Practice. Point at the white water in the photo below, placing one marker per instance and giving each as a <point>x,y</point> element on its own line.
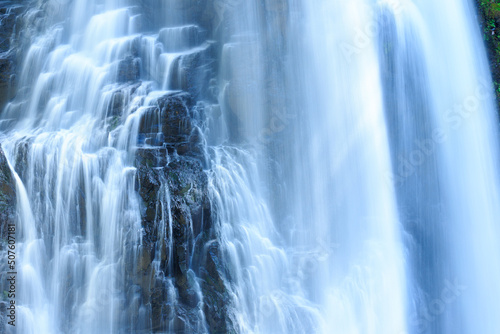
<point>388,222</point>
<point>366,202</point>
<point>80,225</point>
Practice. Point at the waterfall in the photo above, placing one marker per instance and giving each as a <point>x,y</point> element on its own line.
<point>229,166</point>
<point>79,224</point>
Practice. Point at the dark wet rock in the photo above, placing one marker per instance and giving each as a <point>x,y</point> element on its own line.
<point>170,113</point>
<point>190,208</point>
<point>151,157</point>
<point>129,69</point>
<point>193,70</point>
<point>7,72</point>
<point>7,196</point>
<point>174,117</point>
<point>150,120</point>
<point>189,194</point>
<point>21,159</point>
<point>171,122</point>
<point>10,20</point>
<point>194,264</point>
<point>20,23</point>
<point>8,202</point>
<point>217,306</point>
<point>10,12</point>
<point>116,104</point>
<point>118,99</point>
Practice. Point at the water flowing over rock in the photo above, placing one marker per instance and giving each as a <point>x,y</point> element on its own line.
<point>248,166</point>
<point>141,151</point>
<point>7,196</point>
<point>11,24</point>
<point>8,199</point>
<point>188,245</point>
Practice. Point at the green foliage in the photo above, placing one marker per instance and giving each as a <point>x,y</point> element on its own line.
<point>497,90</point>
<point>490,10</point>
<point>489,17</point>
<point>490,7</point>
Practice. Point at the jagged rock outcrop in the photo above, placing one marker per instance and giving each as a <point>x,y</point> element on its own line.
<point>179,247</point>
<point>189,252</point>
<point>217,303</point>
<point>171,122</point>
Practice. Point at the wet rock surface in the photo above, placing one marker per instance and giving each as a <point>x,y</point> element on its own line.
<point>169,122</point>
<point>191,261</point>
<point>129,69</point>
<point>195,69</point>
<point>7,216</point>
<point>7,196</point>
<point>11,17</point>
<point>180,271</point>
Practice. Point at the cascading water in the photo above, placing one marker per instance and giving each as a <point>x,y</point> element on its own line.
<point>80,217</point>
<point>380,170</point>
<point>71,135</point>
<point>345,157</point>
<point>361,285</point>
